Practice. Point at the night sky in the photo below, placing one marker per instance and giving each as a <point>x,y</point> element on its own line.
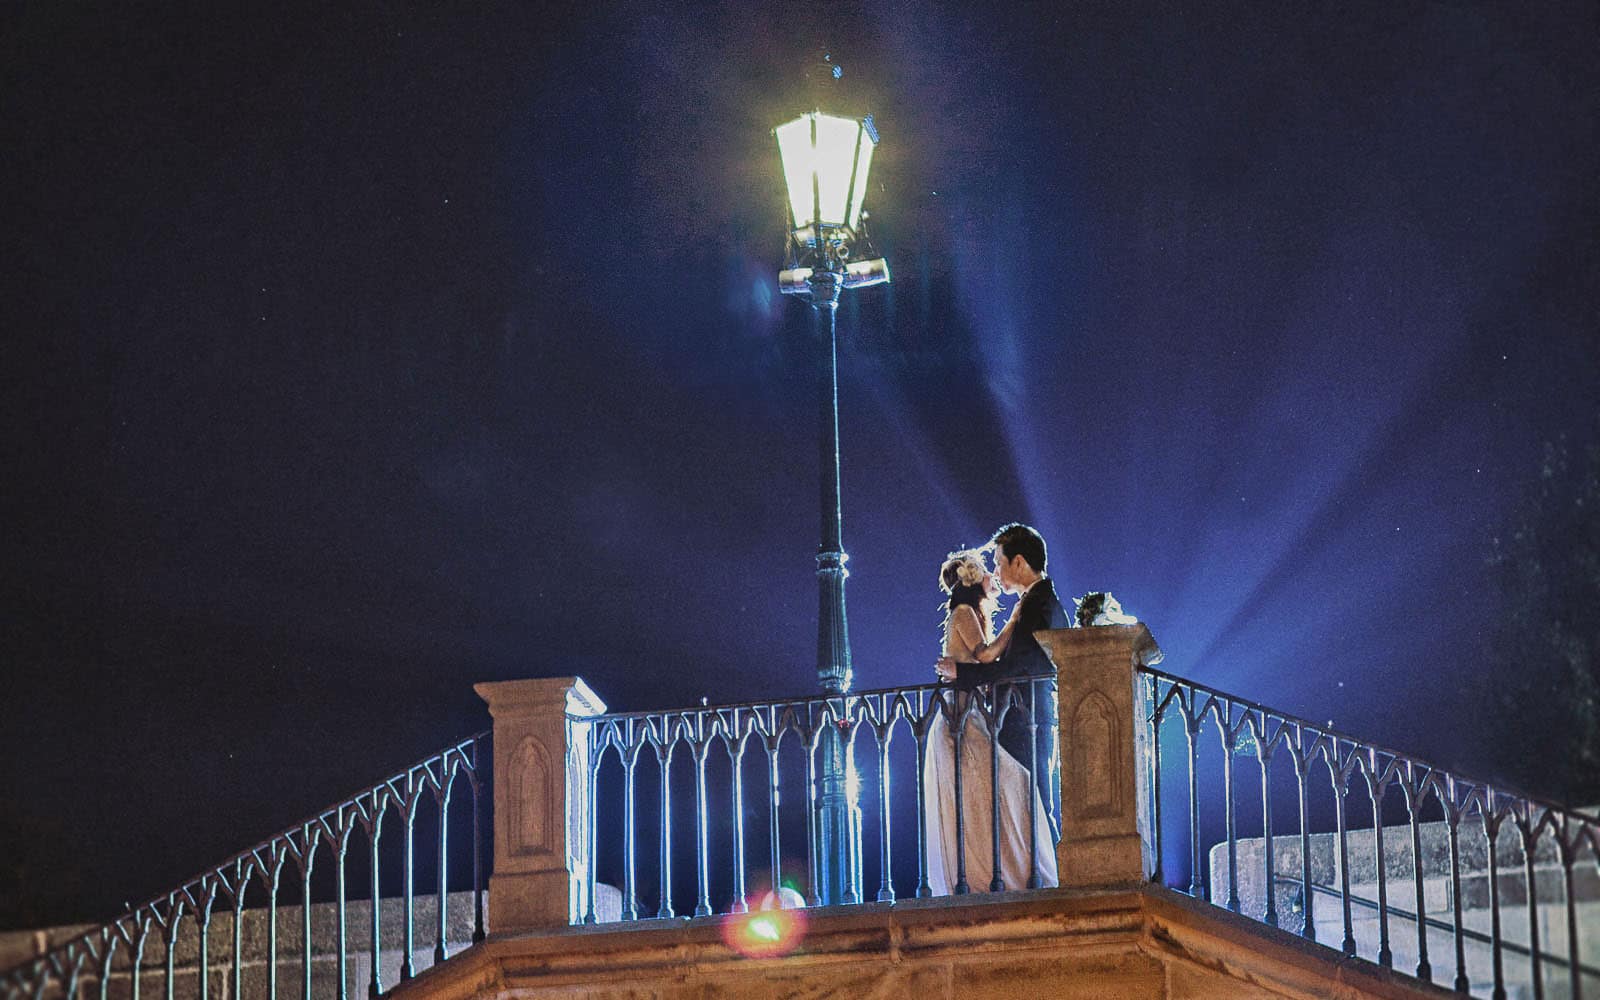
<point>352,356</point>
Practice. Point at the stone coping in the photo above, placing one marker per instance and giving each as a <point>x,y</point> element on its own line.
<point>1064,940</point>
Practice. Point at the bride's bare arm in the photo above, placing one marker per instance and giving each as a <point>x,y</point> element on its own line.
<point>967,632</point>
<point>988,652</point>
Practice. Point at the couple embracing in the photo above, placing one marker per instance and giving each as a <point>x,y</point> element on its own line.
<point>999,785</point>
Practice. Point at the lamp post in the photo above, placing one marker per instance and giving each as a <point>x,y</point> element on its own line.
<point>826,160</point>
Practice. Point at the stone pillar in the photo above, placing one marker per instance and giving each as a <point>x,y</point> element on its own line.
<point>541,801</point>
<point>1102,745</point>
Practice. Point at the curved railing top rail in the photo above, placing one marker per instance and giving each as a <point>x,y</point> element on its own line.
<point>298,842</point>
<point>808,717</point>
<point>1328,733</point>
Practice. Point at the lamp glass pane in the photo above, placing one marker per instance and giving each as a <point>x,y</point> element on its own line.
<point>835,159</point>
<point>863,165</point>
<point>794,145</point>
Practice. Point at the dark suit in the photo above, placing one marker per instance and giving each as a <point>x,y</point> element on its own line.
<point>1023,657</point>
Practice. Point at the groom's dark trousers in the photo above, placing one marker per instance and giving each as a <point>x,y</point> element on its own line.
<point>1023,658</point>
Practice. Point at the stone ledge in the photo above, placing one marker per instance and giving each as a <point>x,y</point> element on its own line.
<point>1138,941</point>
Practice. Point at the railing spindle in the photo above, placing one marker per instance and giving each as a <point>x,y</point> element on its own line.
<point>70,988</point>
<point>883,729</point>
<point>961,888</point>
<point>447,776</point>
<point>1376,789</point>
<point>441,950</point>
<point>374,829</point>
<point>1453,819</point>
<point>1341,789</point>
<point>474,784</point>
<point>478,930</point>
<point>1567,850</point>
<point>1492,819</point>
<point>137,959</point>
<point>1264,758</point>
<point>698,747</point>
<point>1302,762</point>
<point>408,815</point>
<point>630,895</point>
<point>926,710</point>
<point>1228,734</point>
<point>109,944</point>
<point>276,857</point>
<point>813,841</point>
<point>998,706</point>
<point>305,860</point>
<point>1530,844</point>
<point>1157,828</point>
<point>772,740</point>
<point>242,875</point>
<point>1415,794</point>
<point>203,922</point>
<point>1035,877</point>
<point>663,750</point>
<point>733,741</point>
<point>341,913</point>
<point>591,875</point>
<point>1191,729</point>
<point>169,940</point>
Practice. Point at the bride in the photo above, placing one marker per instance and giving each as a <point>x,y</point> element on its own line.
<point>969,637</point>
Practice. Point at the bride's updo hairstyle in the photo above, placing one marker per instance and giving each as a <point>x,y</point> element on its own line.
<point>961,577</point>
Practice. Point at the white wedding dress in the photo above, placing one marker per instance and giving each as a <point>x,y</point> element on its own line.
<point>1017,793</point>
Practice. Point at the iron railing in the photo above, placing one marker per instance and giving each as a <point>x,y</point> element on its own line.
<point>618,741</point>
<point>1388,805</point>
<point>254,877</point>
<point>1435,924</point>
<point>1417,825</point>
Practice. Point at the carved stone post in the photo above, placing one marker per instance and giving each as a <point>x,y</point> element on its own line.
<point>541,807</point>
<point>1102,746</point>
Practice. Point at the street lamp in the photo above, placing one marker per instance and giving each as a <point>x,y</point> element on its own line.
<point>826,162</point>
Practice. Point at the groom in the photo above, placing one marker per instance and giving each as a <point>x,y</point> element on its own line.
<point>1019,563</point>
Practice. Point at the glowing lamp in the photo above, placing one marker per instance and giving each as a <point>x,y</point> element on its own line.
<point>826,161</point>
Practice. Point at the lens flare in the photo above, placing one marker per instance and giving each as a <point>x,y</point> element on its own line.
<point>774,928</point>
<point>765,928</point>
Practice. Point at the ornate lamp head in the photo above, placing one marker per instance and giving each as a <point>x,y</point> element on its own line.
<point>826,162</point>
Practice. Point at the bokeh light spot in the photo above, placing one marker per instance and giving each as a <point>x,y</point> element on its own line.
<point>775,928</point>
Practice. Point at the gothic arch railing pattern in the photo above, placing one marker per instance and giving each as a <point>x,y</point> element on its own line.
<point>868,721</point>
<point>1456,836</point>
<point>118,947</point>
<point>1384,856</point>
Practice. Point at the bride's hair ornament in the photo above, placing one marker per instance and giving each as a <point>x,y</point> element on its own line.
<point>963,568</point>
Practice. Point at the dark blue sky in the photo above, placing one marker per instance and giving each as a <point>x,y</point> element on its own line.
<point>356,356</point>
